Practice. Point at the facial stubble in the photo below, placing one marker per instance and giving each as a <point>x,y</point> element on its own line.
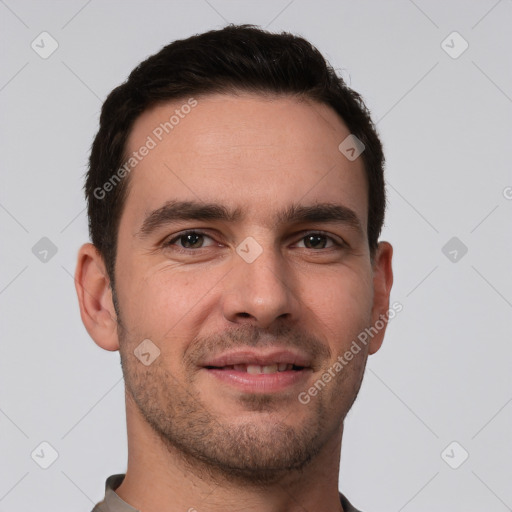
<point>253,452</point>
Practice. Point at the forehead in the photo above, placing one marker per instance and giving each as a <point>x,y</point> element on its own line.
<point>258,153</point>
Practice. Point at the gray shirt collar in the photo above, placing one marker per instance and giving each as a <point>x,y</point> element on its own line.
<point>113,503</point>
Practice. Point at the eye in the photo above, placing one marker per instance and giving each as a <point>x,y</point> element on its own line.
<point>193,240</point>
<point>189,240</point>
<point>318,240</point>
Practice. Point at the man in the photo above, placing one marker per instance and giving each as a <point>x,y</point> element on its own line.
<point>236,196</point>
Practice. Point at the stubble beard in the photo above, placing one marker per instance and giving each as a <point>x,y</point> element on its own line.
<point>256,453</point>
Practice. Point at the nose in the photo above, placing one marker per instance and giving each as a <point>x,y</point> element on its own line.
<point>261,292</point>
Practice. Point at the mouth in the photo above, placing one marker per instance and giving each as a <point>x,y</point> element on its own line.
<point>256,369</point>
<point>251,372</point>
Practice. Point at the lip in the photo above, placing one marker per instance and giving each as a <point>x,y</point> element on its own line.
<point>259,383</point>
<point>274,356</point>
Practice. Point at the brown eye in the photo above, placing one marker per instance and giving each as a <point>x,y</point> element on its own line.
<point>189,240</point>
<point>315,241</point>
<point>319,241</point>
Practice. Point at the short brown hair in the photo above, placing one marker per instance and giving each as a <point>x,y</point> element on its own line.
<point>241,58</point>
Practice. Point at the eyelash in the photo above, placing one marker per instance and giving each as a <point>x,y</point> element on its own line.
<point>170,242</point>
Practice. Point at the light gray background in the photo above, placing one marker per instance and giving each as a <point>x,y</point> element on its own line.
<point>444,371</point>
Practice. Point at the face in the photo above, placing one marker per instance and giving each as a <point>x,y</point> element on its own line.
<point>243,257</point>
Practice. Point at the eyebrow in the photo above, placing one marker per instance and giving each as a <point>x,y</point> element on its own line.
<point>174,210</point>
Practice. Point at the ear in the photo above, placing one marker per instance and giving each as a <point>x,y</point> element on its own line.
<point>95,298</point>
<point>382,283</point>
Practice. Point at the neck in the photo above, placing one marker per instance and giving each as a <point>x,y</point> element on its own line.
<point>160,477</point>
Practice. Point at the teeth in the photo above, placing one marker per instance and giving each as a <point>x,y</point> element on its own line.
<point>255,369</point>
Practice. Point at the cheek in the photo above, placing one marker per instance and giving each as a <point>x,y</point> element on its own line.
<point>340,296</point>
<point>341,306</point>
<point>164,302</point>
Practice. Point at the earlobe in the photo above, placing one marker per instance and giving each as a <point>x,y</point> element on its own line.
<point>382,283</point>
<point>95,298</point>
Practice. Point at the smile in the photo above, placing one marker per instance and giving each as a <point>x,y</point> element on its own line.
<point>255,369</point>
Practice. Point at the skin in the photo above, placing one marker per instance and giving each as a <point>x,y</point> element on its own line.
<point>194,441</point>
